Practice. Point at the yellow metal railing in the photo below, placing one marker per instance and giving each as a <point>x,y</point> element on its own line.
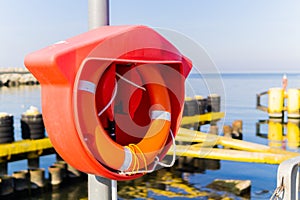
<point>23,147</point>
<point>237,150</point>
<point>207,117</point>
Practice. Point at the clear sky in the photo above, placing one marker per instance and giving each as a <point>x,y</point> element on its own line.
<point>239,35</point>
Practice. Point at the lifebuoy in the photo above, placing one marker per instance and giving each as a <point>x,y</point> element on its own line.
<point>133,157</point>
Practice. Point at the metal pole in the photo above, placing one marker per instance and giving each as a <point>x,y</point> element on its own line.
<point>98,13</point>
<point>100,188</point>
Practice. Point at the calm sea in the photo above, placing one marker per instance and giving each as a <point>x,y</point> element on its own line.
<point>238,95</point>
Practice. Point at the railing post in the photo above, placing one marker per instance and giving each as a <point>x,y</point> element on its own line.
<point>258,102</point>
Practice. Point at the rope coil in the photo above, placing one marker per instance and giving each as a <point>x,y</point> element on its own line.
<point>156,162</point>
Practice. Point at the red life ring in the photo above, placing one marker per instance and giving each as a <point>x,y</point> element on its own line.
<point>133,157</point>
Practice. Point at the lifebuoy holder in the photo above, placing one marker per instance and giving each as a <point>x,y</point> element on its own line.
<point>83,78</point>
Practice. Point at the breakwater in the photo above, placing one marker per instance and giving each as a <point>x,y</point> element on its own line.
<point>11,77</point>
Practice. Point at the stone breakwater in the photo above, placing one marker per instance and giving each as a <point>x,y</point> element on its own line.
<point>11,77</point>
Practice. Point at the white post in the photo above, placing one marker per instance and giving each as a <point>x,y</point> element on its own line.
<point>100,188</point>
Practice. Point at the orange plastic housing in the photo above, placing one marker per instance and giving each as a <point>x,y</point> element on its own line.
<point>103,56</point>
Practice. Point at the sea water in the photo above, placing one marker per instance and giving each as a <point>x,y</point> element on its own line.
<point>238,96</point>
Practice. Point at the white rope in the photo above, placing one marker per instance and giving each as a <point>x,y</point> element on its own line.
<point>174,153</point>
<point>130,82</point>
<point>111,100</point>
<point>115,92</point>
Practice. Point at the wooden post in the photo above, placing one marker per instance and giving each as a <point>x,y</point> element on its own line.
<point>33,161</point>
<point>237,129</point>
<point>227,130</point>
<point>213,129</point>
<point>3,167</point>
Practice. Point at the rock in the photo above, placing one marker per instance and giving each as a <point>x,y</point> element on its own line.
<point>16,76</point>
<point>4,78</point>
<point>27,79</point>
<point>238,187</point>
<point>14,80</point>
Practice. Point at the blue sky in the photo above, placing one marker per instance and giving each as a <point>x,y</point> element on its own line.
<point>239,35</point>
